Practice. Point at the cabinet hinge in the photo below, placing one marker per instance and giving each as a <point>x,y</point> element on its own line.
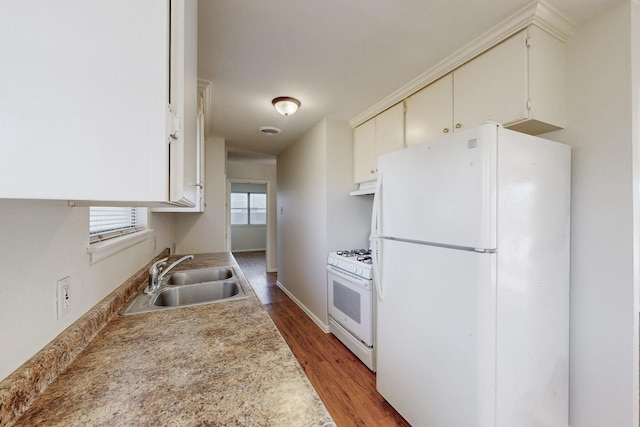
<point>527,41</point>
<point>174,124</point>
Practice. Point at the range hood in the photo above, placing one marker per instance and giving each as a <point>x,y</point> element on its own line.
<point>364,189</point>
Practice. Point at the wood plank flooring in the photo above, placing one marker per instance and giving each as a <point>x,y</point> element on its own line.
<point>345,385</point>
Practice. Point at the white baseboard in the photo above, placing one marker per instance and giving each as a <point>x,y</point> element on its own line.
<point>308,312</point>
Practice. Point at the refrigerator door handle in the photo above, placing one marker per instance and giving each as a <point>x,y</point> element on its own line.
<point>375,237</point>
<point>375,214</point>
<point>375,252</point>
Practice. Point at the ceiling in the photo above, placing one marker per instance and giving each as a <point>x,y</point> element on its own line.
<point>337,57</point>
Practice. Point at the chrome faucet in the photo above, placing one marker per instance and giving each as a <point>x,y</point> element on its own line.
<point>157,273</point>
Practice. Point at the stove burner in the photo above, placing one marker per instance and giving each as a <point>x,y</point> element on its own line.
<point>366,259</point>
<point>354,252</point>
<point>356,262</point>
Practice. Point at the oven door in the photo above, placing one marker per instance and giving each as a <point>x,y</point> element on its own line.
<point>350,303</point>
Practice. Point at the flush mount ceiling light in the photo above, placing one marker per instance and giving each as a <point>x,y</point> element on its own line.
<point>286,105</point>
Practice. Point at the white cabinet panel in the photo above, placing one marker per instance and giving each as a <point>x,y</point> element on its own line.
<point>184,101</point>
<point>390,130</point>
<point>364,151</point>
<point>518,83</point>
<point>85,89</point>
<point>430,112</point>
<point>198,181</point>
<point>493,86</point>
<point>379,135</point>
<point>546,85</point>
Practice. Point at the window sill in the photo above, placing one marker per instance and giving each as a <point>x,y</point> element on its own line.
<point>102,250</point>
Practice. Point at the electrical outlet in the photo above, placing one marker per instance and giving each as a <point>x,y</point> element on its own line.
<point>64,296</point>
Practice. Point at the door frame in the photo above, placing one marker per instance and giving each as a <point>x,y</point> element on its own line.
<point>228,212</point>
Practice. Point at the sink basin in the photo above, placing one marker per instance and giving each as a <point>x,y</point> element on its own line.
<point>190,287</point>
<point>187,277</point>
<point>197,293</point>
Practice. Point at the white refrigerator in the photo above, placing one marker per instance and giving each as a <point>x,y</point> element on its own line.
<point>470,235</point>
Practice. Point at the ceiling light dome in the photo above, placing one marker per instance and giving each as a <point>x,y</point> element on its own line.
<point>286,105</point>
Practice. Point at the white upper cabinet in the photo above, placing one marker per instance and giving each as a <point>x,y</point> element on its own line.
<point>185,146</point>
<point>196,182</point>
<point>518,83</point>
<point>85,95</point>
<point>430,111</point>
<point>364,151</point>
<point>493,86</point>
<point>379,135</point>
<point>390,130</point>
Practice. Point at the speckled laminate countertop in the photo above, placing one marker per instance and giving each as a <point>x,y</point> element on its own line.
<point>221,364</point>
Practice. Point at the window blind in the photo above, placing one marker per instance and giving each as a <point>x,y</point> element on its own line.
<point>109,222</point>
<point>248,208</point>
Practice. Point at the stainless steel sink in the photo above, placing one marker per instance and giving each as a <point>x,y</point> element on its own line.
<point>190,287</point>
<point>197,293</point>
<point>187,277</point>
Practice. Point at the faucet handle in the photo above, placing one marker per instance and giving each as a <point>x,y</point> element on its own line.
<point>158,266</point>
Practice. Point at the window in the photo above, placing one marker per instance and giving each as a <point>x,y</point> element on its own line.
<point>109,222</point>
<point>248,208</point>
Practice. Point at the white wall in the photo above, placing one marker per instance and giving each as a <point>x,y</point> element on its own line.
<point>316,213</point>
<point>302,220</point>
<point>246,238</point>
<point>604,267</point>
<point>261,172</point>
<point>42,242</point>
<point>204,232</point>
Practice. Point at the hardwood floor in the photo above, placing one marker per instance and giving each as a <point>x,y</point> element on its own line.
<point>345,385</point>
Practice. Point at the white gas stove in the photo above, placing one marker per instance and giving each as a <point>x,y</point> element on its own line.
<point>351,297</point>
<point>354,261</point>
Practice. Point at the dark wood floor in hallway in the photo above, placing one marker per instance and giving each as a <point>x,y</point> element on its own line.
<point>345,385</point>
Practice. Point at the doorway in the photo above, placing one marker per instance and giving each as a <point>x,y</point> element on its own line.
<point>248,216</point>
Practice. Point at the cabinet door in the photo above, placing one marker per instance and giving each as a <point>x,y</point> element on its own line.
<point>84,93</point>
<point>364,152</point>
<point>390,130</point>
<point>430,111</point>
<point>183,95</point>
<point>546,84</point>
<point>493,86</point>
<point>199,161</point>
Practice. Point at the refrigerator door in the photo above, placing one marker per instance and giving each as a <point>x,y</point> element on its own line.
<point>436,334</point>
<point>442,191</point>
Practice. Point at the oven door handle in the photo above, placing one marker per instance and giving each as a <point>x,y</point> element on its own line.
<point>352,279</point>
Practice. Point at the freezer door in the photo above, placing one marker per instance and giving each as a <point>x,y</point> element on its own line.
<point>442,191</point>
<point>436,334</point>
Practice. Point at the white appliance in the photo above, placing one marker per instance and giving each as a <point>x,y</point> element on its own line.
<point>350,296</point>
<point>471,262</point>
